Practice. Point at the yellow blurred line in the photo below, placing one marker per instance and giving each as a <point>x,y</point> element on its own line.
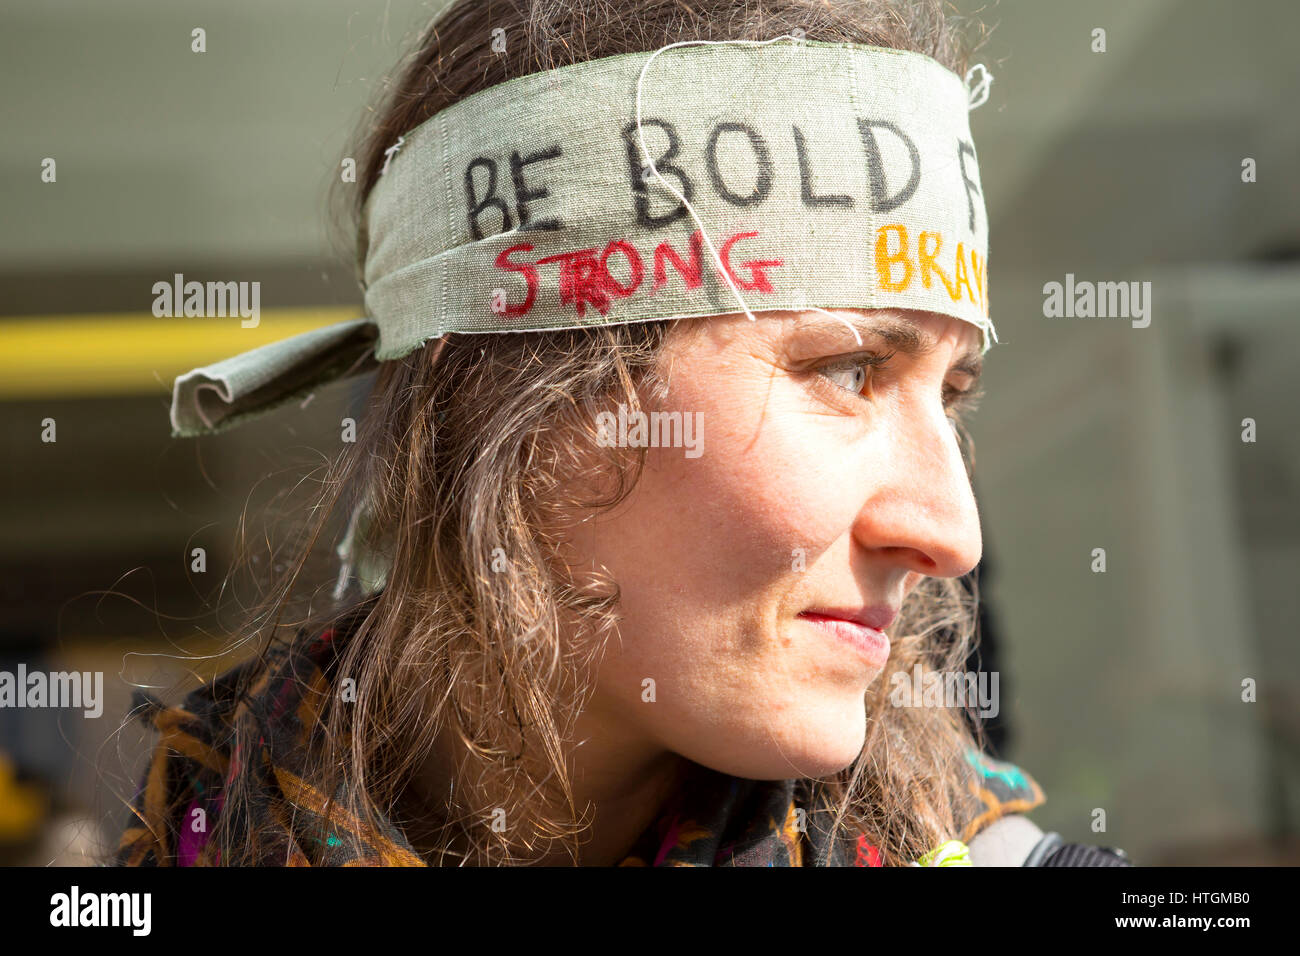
<point>132,352</point>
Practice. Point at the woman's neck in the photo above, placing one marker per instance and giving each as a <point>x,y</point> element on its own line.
<point>619,788</point>
<point>621,810</point>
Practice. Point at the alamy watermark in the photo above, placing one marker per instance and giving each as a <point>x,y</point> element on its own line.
<point>211,299</point>
<point>75,908</point>
<point>24,688</point>
<point>1100,300</point>
<point>656,430</point>
<point>977,691</point>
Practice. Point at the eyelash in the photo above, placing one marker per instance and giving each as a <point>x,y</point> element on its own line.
<point>955,401</point>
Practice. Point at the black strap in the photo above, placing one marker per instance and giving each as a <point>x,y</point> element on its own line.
<point>1051,850</point>
<point>1043,849</point>
<point>1081,854</point>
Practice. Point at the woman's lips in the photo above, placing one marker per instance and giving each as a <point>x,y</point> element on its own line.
<point>870,642</point>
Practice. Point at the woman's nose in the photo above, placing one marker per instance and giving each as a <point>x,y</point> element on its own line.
<point>922,510</point>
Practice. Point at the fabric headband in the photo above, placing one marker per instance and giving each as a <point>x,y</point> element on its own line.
<point>781,174</point>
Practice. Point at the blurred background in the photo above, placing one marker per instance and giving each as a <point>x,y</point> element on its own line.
<point>1121,691</point>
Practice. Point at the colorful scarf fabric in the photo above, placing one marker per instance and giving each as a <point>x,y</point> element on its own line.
<point>219,738</point>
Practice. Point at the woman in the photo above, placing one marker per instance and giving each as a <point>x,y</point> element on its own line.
<point>631,591</point>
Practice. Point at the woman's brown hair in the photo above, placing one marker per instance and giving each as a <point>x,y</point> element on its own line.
<point>465,461</point>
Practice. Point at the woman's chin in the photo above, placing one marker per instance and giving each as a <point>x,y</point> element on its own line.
<point>809,748</point>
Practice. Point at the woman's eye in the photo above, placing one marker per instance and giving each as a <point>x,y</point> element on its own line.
<point>853,378</point>
<point>854,372</point>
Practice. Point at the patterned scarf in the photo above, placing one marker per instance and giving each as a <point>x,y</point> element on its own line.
<point>220,738</point>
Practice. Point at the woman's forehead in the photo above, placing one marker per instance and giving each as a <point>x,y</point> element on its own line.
<point>807,333</point>
<point>910,330</point>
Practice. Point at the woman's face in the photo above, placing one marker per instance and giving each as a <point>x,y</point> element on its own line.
<point>825,489</point>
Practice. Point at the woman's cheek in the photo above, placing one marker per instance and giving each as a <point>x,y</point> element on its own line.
<point>783,480</point>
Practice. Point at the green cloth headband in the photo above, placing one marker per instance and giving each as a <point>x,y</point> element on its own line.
<point>779,174</point>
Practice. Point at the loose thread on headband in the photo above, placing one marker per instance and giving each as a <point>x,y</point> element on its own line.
<point>979,94</point>
<point>645,153</point>
<point>649,164</point>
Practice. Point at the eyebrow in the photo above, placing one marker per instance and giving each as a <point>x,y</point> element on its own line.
<point>898,333</point>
